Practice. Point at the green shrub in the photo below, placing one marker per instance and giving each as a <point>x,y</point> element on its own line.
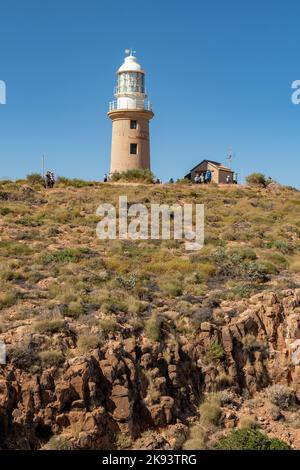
<point>196,440</point>
<point>251,344</point>
<point>113,305</point>
<point>74,310</point>
<point>49,326</point>
<point>127,283</point>
<point>5,210</point>
<point>172,289</point>
<point>108,325</point>
<point>21,356</point>
<point>242,253</point>
<point>240,264</point>
<point>8,299</point>
<point>276,259</point>
<point>224,380</point>
<point>51,358</point>
<point>7,274</point>
<point>281,396</point>
<point>186,181</point>
<point>257,179</point>
<point>283,246</point>
<point>215,352</point>
<point>249,439</point>
<point>153,327</point>
<point>74,182</point>
<point>59,443</point>
<point>14,249</point>
<point>210,413</point>
<point>247,422</point>
<point>123,441</point>
<point>259,271</point>
<point>87,342</point>
<point>35,178</point>
<point>68,255</point>
<point>135,175</point>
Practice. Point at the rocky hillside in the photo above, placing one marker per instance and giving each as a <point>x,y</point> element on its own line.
<point>119,344</point>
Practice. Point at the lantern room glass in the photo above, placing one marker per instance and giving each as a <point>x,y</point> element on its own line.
<point>130,82</point>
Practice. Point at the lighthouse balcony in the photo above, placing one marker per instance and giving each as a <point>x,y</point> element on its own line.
<point>130,104</point>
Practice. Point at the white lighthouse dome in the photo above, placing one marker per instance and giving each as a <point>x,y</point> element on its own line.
<point>130,64</point>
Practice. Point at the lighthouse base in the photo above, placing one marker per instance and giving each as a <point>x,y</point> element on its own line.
<point>130,139</point>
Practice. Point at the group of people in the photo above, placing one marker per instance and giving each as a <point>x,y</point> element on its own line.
<point>200,178</point>
<point>203,178</point>
<point>49,179</point>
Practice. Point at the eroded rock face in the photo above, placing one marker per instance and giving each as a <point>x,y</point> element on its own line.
<point>131,385</point>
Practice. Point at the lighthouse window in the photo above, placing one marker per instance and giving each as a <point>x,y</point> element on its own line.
<point>133,149</point>
<point>133,124</point>
<point>131,82</point>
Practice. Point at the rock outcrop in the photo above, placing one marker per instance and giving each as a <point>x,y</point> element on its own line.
<point>132,384</point>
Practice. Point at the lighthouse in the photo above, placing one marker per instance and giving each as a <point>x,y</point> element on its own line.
<point>130,113</point>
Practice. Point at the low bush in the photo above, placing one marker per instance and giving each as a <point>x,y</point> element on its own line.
<point>51,358</point>
<point>136,175</point>
<point>7,299</point>
<point>86,343</point>
<point>123,441</point>
<point>68,255</point>
<point>49,326</point>
<point>74,182</point>
<point>21,356</point>
<point>215,352</point>
<point>249,439</point>
<point>281,396</point>
<point>113,305</point>
<point>59,443</point>
<point>35,178</point>
<point>258,179</point>
<point>197,439</point>
<point>247,422</point>
<point>153,327</point>
<point>210,413</point>
<point>108,325</point>
<point>172,289</point>
<point>251,344</point>
<point>74,310</point>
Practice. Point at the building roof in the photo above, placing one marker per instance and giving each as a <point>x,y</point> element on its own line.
<point>216,164</point>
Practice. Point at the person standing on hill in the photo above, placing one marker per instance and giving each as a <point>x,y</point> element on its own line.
<point>208,176</point>
<point>50,179</point>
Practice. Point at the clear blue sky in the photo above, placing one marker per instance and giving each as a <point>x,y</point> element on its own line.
<point>219,76</point>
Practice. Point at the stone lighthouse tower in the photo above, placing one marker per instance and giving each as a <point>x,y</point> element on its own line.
<point>130,114</point>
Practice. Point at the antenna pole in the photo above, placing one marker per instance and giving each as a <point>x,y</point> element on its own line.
<point>43,166</point>
<point>230,158</point>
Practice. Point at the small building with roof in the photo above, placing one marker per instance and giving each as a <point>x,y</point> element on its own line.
<point>220,174</point>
